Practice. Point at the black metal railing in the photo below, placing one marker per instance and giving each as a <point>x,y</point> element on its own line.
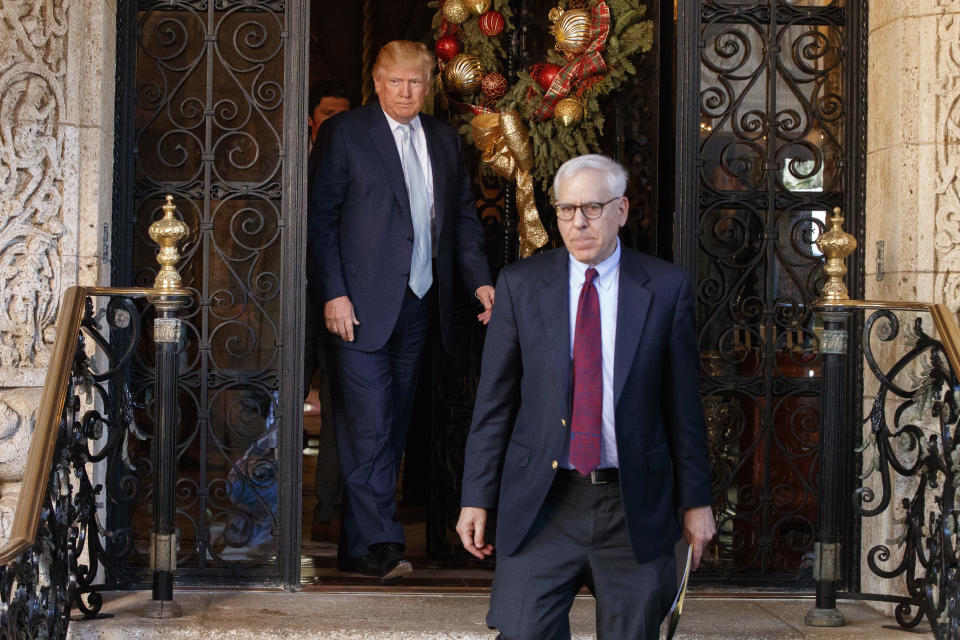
<point>62,545</point>
<point>909,457</point>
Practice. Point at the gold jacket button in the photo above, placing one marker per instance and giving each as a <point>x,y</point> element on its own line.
<point>563,422</point>
<point>554,464</point>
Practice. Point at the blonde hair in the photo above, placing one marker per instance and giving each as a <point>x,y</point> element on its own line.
<point>405,54</point>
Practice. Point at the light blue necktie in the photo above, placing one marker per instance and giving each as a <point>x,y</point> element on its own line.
<point>421,271</point>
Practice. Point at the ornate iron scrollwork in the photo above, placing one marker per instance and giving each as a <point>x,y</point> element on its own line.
<point>912,451</point>
<point>208,127</point>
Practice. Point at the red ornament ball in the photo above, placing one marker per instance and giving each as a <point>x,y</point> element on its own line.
<point>447,47</point>
<point>543,73</point>
<point>493,85</point>
<point>491,23</point>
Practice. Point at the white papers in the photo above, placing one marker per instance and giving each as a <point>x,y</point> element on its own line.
<point>673,616</point>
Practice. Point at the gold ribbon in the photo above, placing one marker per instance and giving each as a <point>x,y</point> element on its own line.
<point>504,143</point>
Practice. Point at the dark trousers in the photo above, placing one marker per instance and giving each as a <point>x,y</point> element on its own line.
<point>580,538</point>
<point>375,396</point>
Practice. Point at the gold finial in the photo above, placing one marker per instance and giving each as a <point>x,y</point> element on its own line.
<point>167,232</point>
<point>837,245</point>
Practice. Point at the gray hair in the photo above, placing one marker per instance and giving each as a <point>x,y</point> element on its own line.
<point>613,171</point>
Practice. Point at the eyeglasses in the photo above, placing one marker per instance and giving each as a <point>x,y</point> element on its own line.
<point>591,210</point>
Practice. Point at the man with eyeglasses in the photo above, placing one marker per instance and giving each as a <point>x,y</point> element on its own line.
<point>588,434</point>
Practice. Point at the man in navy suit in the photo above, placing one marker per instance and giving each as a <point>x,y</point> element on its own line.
<point>392,215</point>
<point>588,432</point>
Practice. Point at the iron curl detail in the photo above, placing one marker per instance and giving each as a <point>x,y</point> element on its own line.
<point>916,451</point>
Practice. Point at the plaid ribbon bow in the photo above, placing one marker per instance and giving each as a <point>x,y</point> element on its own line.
<point>589,63</point>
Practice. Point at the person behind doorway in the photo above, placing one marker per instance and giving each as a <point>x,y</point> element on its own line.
<point>391,213</point>
<point>588,430</point>
<point>327,100</point>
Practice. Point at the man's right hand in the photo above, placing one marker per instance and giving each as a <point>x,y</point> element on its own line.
<point>339,317</point>
<point>470,526</point>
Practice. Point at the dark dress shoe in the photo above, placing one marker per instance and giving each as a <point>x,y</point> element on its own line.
<point>365,564</point>
<point>391,564</point>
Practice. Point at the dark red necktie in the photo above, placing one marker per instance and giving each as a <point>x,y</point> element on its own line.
<point>587,418</point>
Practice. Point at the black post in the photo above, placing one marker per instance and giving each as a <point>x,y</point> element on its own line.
<point>833,399</point>
<point>163,547</point>
<point>167,298</point>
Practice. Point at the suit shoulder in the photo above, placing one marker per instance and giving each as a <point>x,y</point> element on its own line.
<point>439,126</point>
<point>538,265</point>
<point>352,120</point>
<point>429,120</point>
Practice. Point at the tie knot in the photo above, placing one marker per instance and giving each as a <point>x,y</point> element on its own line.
<point>406,129</point>
<point>590,276</point>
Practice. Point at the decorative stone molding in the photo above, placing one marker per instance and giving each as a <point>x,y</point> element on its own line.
<point>947,230</point>
<point>9,496</point>
<point>33,42</point>
<point>17,419</point>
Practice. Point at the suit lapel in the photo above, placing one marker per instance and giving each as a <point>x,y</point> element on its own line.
<point>437,163</point>
<point>555,310</point>
<point>633,304</point>
<point>386,146</point>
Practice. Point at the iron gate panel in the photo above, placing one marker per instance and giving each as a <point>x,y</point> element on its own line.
<point>209,121</point>
<point>769,156</point>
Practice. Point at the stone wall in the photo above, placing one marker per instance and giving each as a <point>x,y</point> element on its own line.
<point>913,187</point>
<point>56,166</point>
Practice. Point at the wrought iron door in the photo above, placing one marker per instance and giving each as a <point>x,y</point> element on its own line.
<point>207,114</point>
<point>771,138</point>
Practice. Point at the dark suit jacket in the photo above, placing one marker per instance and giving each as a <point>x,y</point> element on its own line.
<point>522,415</point>
<point>360,236</point>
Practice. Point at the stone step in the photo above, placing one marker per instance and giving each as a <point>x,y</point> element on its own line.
<point>253,615</point>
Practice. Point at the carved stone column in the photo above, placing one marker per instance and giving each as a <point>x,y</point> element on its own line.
<point>913,165</point>
<point>56,164</point>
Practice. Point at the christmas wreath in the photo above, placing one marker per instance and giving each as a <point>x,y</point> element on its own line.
<point>552,112</point>
<point>558,98</point>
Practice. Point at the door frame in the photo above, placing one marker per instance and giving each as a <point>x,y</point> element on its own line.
<point>294,242</point>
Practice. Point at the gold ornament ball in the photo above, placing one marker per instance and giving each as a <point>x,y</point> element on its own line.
<point>463,74</point>
<point>571,29</point>
<point>479,6</point>
<point>568,111</point>
<point>456,11</point>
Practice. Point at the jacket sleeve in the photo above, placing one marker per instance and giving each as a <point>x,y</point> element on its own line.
<point>685,425</point>
<point>328,183</point>
<point>474,268</point>
<point>498,400</point>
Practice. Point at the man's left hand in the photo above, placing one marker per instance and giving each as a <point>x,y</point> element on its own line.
<point>485,295</point>
<point>698,530</point>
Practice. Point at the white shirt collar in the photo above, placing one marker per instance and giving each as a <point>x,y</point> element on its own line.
<point>606,270</point>
<point>415,123</point>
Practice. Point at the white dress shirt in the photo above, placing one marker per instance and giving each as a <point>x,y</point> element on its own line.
<point>607,283</point>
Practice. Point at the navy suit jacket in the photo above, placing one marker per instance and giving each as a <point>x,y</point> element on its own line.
<point>522,415</point>
<point>360,236</point>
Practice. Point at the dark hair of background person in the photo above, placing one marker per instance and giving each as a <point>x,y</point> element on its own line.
<point>327,89</point>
